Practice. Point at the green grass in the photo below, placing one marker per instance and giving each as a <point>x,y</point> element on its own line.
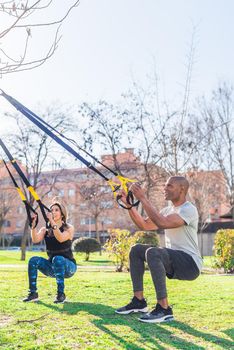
<point>208,261</point>
<point>13,257</point>
<point>203,310</point>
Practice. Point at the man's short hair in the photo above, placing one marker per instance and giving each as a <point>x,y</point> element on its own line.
<point>182,181</point>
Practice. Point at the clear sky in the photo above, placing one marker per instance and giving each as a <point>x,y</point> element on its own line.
<point>106,42</point>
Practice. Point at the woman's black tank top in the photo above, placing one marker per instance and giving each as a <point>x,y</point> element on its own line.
<point>54,247</point>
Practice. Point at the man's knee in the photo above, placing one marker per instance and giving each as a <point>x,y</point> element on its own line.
<point>136,250</point>
<point>153,254</point>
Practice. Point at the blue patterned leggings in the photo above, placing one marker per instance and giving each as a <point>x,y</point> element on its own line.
<point>59,268</point>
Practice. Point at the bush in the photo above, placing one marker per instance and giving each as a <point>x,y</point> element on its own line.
<point>148,237</point>
<point>86,245</point>
<point>119,245</point>
<point>224,250</point>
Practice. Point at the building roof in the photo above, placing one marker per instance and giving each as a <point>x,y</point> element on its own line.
<point>229,214</point>
<point>213,227</point>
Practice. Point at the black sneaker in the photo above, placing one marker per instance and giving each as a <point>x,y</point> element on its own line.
<point>60,298</point>
<point>135,305</point>
<point>159,314</point>
<point>32,296</point>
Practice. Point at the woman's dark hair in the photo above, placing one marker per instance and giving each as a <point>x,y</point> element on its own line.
<point>62,209</point>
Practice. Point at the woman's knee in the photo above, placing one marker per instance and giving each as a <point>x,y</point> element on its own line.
<point>34,260</point>
<point>58,260</point>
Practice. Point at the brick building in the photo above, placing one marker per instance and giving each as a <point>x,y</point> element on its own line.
<point>89,199</point>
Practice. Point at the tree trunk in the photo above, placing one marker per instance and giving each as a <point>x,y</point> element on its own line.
<point>24,241</point>
<point>97,231</point>
<point>119,268</point>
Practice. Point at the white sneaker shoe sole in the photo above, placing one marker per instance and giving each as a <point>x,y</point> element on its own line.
<point>131,311</point>
<point>167,318</point>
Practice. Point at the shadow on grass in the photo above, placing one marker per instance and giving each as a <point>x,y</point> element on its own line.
<point>230,333</point>
<point>155,335</point>
<point>222,342</point>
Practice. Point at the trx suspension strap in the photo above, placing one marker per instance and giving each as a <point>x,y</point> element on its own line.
<point>28,207</point>
<point>26,182</point>
<point>44,127</point>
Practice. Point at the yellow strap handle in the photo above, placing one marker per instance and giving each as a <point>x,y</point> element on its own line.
<point>22,196</point>
<point>124,181</point>
<point>33,193</point>
<point>114,186</point>
<point>122,185</point>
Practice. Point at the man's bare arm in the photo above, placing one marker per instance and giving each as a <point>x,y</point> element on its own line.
<point>161,221</point>
<point>144,224</point>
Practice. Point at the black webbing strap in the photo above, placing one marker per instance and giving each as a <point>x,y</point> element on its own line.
<point>28,206</point>
<point>30,188</point>
<point>43,126</point>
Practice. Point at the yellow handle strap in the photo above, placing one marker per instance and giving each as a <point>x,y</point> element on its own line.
<point>122,185</point>
<point>33,193</point>
<point>124,181</point>
<point>114,186</point>
<point>22,196</point>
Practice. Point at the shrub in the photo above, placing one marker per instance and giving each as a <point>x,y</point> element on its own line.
<point>224,249</point>
<point>119,245</point>
<point>148,237</point>
<point>86,245</point>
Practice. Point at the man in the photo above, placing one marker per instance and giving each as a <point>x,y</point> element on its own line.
<point>180,259</point>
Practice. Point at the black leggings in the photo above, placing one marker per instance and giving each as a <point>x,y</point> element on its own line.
<point>162,262</point>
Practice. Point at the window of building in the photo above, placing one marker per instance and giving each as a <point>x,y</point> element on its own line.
<point>105,189</point>
<point>19,224</point>
<point>6,223</point>
<point>20,210</point>
<point>82,221</point>
<point>106,205</point>
<point>71,192</point>
<point>61,193</point>
<point>107,221</point>
<point>87,221</point>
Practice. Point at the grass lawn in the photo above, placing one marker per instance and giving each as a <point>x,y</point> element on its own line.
<point>203,310</point>
<point>13,257</point>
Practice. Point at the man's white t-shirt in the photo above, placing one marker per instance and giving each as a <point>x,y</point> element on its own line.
<point>184,237</point>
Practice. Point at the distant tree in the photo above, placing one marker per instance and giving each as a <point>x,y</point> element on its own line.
<point>86,245</point>
<point>207,191</point>
<point>96,195</point>
<point>6,204</point>
<point>224,250</point>
<point>35,149</point>
<point>119,245</point>
<point>106,126</point>
<point>148,237</point>
<point>144,120</point>
<point>24,21</point>
<point>217,119</point>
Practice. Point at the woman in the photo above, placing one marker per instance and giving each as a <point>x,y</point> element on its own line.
<point>61,263</point>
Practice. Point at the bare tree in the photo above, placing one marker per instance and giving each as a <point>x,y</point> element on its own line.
<point>97,197</point>
<point>35,150</point>
<point>158,133</point>
<point>106,128</point>
<point>21,21</point>
<point>217,120</point>
<point>6,204</point>
<point>207,191</point>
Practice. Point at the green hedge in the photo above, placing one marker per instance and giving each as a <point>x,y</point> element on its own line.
<point>224,250</point>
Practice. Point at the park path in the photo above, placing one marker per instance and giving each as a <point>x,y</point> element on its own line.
<point>206,270</point>
<point>86,267</point>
